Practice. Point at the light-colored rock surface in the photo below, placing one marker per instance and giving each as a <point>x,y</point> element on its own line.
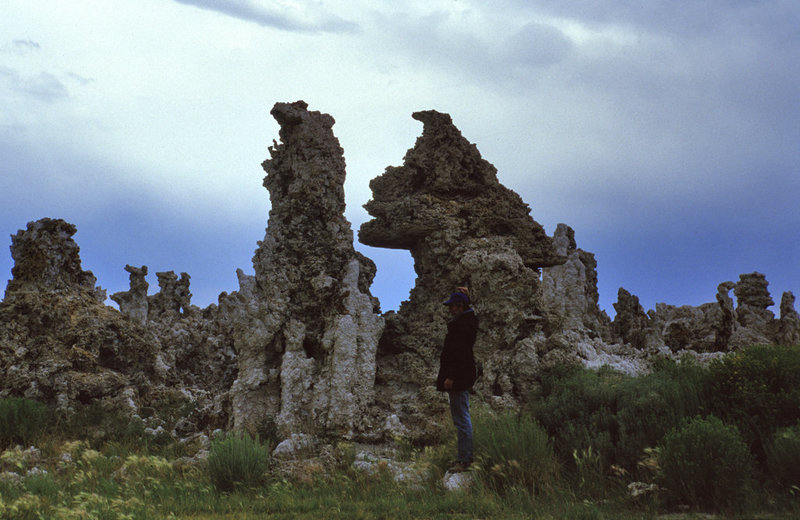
<point>305,326</point>
<point>570,290</point>
<point>458,481</point>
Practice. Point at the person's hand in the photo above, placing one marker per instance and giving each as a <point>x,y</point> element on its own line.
<point>448,384</point>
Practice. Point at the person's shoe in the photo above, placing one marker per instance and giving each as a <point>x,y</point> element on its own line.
<point>459,467</point>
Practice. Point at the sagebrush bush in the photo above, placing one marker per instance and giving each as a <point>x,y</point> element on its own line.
<point>649,406</point>
<point>783,457</point>
<point>21,420</point>
<point>758,390</point>
<point>616,415</point>
<point>237,460</point>
<point>577,409</point>
<point>513,451</point>
<point>706,464</point>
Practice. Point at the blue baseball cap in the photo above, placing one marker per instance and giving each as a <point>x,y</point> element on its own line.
<point>457,297</point>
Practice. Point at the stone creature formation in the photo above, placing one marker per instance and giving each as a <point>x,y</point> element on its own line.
<point>302,350</point>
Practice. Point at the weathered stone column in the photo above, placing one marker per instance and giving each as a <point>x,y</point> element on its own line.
<point>307,328</point>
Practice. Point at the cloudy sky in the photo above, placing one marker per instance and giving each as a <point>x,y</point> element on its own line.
<point>667,134</point>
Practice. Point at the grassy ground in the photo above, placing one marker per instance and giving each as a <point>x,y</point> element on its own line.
<point>70,480</point>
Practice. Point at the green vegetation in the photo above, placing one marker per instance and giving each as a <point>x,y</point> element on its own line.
<point>238,460</point>
<point>783,457</point>
<point>572,454</point>
<point>21,420</point>
<point>706,464</point>
<point>513,452</point>
<point>758,390</point>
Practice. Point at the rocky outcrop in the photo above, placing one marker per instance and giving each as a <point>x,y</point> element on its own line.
<point>133,303</point>
<point>711,327</point>
<point>570,290</point>
<point>46,259</point>
<point>789,325</point>
<point>172,298</point>
<point>305,326</point>
<point>301,349</point>
<point>463,228</point>
<point>58,342</point>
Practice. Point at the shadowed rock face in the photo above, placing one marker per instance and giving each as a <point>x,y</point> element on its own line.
<point>463,228</point>
<point>305,326</point>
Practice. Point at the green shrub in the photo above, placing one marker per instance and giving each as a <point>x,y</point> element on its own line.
<point>513,451</point>
<point>706,464</point>
<point>783,457</point>
<point>237,460</point>
<point>615,415</point>
<point>578,409</point>
<point>649,406</point>
<point>21,420</point>
<point>758,390</point>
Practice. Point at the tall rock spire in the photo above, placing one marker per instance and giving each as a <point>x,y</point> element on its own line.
<point>463,228</point>
<point>308,329</point>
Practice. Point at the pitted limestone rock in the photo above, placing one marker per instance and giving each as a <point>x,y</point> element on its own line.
<point>463,228</point>
<point>173,296</point>
<point>753,300</point>
<point>133,303</point>
<point>58,342</point>
<point>305,326</point>
<point>47,259</point>
<point>570,290</point>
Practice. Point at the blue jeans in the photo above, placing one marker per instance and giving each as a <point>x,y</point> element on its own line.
<point>459,409</point>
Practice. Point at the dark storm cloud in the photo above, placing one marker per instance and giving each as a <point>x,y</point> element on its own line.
<point>271,17</point>
<point>537,45</point>
<point>439,42</point>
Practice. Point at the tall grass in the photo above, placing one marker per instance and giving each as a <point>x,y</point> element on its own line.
<point>513,451</point>
<point>238,460</point>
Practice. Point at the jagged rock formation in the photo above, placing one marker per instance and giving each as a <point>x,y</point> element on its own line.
<point>173,296</point>
<point>305,326</point>
<point>195,346</point>
<point>789,326</point>
<point>58,342</point>
<point>301,346</point>
<point>710,327</point>
<point>570,290</point>
<point>133,303</point>
<point>46,259</point>
<point>463,228</point>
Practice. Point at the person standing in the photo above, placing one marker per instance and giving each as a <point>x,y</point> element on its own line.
<point>457,371</point>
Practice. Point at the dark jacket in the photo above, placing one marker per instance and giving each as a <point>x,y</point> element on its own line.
<point>457,361</point>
